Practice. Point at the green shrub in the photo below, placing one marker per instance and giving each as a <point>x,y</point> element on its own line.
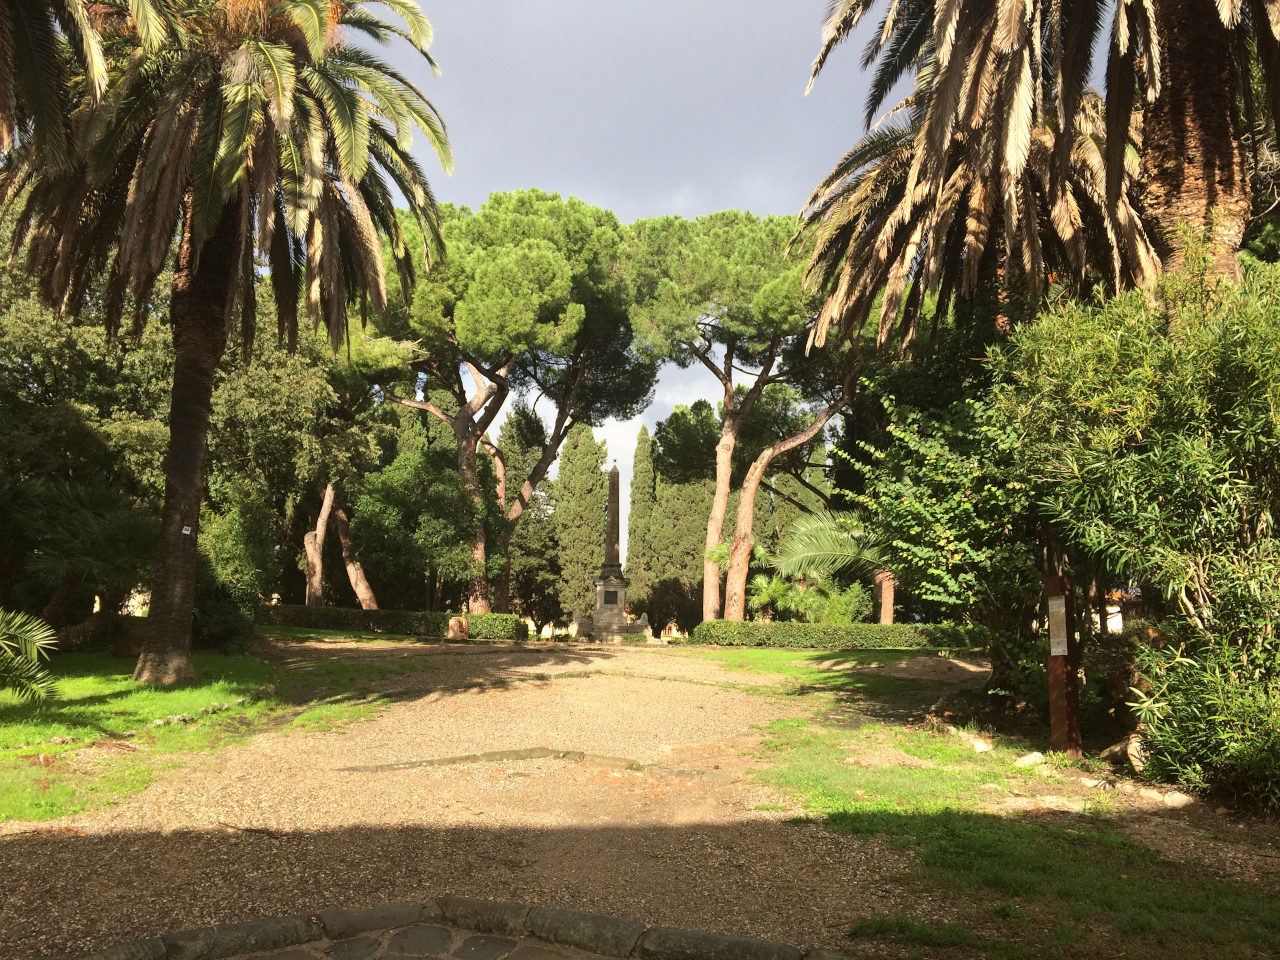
<point>483,626</point>
<point>854,636</point>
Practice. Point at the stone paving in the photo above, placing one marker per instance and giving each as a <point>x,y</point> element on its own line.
<point>449,928</point>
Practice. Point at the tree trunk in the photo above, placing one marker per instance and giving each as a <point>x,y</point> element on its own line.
<point>1194,163</point>
<point>55,611</point>
<point>198,316</point>
<point>313,543</point>
<point>478,596</point>
<point>735,592</point>
<point>355,572</point>
<point>715,522</point>
<point>884,584</point>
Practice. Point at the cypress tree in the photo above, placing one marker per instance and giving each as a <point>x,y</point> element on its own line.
<point>582,496</point>
<point>677,536</point>
<point>639,549</point>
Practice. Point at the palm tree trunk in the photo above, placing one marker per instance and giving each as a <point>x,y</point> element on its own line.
<point>355,572</point>
<point>884,584</point>
<point>197,313</point>
<point>313,543</point>
<point>1194,163</point>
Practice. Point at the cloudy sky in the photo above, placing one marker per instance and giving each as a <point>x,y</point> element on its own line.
<point>646,107</point>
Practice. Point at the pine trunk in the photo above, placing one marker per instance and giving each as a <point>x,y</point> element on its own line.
<point>715,522</point>
<point>884,584</point>
<point>197,313</point>
<point>1194,163</point>
<point>313,543</point>
<point>355,572</point>
<point>744,541</point>
<point>478,596</point>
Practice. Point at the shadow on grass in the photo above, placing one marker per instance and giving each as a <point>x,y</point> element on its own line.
<point>1069,888</point>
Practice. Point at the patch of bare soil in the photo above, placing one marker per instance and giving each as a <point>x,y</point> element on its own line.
<point>294,821</point>
<point>946,670</point>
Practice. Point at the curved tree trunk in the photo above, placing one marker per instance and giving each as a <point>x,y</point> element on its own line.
<point>355,572</point>
<point>198,315</point>
<point>478,595</point>
<point>1194,163</point>
<point>735,591</point>
<point>715,522</point>
<point>313,543</point>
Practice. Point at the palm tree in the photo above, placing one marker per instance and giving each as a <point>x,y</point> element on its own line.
<point>259,126</point>
<point>24,642</point>
<point>36,37</point>
<point>999,69</point>
<point>828,542</point>
<point>876,242</point>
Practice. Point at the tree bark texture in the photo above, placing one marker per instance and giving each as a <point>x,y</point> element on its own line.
<point>715,522</point>
<point>884,584</point>
<point>355,572</point>
<point>1194,164</point>
<point>313,543</point>
<point>478,593</point>
<point>197,313</point>
<point>744,541</point>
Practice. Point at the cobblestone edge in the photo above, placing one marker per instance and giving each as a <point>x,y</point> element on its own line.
<point>590,932</point>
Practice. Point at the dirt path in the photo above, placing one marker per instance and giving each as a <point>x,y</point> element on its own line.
<point>289,824</point>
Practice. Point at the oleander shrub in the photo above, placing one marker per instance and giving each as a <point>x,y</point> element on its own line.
<point>853,636</point>
<point>483,626</point>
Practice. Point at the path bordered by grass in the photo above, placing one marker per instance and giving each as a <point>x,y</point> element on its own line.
<point>99,706</point>
<point>1054,885</point>
<point>814,669</point>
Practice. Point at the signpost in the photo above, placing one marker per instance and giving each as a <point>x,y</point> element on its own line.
<point>1064,667</point>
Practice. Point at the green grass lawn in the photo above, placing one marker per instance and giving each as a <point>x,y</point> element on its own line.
<point>98,704</point>
<point>1051,885</point>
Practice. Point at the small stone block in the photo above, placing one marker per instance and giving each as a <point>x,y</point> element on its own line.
<point>229,939</point>
<point>152,949</point>
<point>340,922</point>
<point>610,936</point>
<point>420,941</point>
<point>484,948</point>
<point>353,948</point>
<point>487,916</point>
<point>665,943</point>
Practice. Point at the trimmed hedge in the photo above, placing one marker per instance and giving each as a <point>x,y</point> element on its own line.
<point>856,636</point>
<point>483,626</point>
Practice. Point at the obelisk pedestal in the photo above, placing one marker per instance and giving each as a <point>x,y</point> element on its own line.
<point>610,621</point>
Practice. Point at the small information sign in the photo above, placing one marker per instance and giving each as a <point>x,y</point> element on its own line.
<point>1057,626</point>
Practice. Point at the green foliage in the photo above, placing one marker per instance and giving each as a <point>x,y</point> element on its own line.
<point>818,602</point>
<point>534,547</point>
<point>825,543</point>
<point>640,568</point>
<point>24,642</point>
<point>854,636</point>
<point>677,540</point>
<point>1153,429</point>
<point>581,498</point>
<point>483,626</point>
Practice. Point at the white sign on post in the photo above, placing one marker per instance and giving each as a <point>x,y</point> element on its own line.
<point>1057,626</point>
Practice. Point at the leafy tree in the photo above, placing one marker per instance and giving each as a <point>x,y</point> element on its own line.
<point>250,127</point>
<point>677,534</point>
<point>1153,431</point>
<point>581,499</point>
<point>531,300</point>
<point>718,291</point>
<point>533,555</point>
<point>640,569</point>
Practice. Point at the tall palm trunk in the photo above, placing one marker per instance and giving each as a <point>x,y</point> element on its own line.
<point>198,315</point>
<point>1194,164</point>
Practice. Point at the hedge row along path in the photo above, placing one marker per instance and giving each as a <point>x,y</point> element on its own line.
<point>614,780</point>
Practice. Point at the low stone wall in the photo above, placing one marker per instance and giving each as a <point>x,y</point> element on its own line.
<point>457,928</point>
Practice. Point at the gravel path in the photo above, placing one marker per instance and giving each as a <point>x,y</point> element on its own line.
<point>281,825</point>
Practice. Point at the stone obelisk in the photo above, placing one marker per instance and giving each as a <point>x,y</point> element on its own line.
<point>611,586</point>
